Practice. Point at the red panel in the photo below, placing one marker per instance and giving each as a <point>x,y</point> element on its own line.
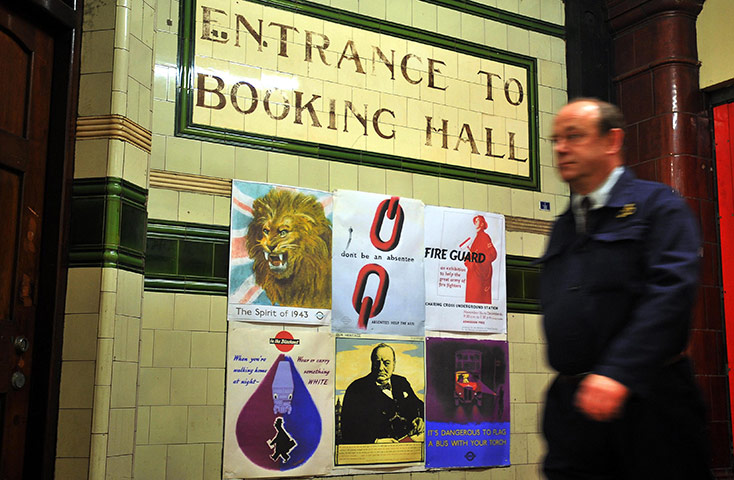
<point>724,136</point>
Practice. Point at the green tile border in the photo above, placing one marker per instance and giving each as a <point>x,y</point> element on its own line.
<point>502,16</point>
<point>174,282</point>
<point>219,235</point>
<point>184,127</point>
<point>103,247</point>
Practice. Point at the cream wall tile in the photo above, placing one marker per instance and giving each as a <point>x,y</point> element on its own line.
<point>196,207</point>
<point>135,17</point>
<point>186,387</point>
<point>522,203</point>
<point>80,337</point>
<point>500,200</point>
<point>374,8</point>
<point>283,169</point>
<point>536,385</point>
<point>217,160</point>
<point>158,310</point>
<point>82,294</point>
<point>162,204</point>
<point>518,448</point>
<point>450,193</point>
<point>205,424</point>
<point>495,34</point>
<point>472,28</point>
<point>218,315</point>
<point>517,388</point>
<point>166,49</point>
<point>124,381</point>
<point>222,207</point>
<point>530,8</point>
<point>122,431</point>
<point>168,425</point>
<point>74,427</point>
<point>539,46</point>
<point>552,11</point>
<point>313,173</point>
<point>424,16</point>
<point>136,166</point>
<point>426,188</point>
<point>148,24</point>
<point>172,349</point>
<point>182,155</point>
<point>536,448</point>
<point>371,180</point>
<point>208,349</point>
<point>77,384</point>
<point>142,426</point>
<point>90,159</point>
<point>215,387</point>
<point>449,22</point>
<point>515,327</point>
<point>558,50</point>
<point>155,386</point>
<point>524,418</point>
<point>551,74</point>
<point>71,468</point>
<point>514,243</point>
<point>343,176</point>
<point>119,468</point>
<point>212,461</point>
<point>509,5</point>
<point>101,418</point>
<point>104,361</point>
<point>251,164</point>
<point>141,62</point>
<point>150,461</point>
<point>129,293</point>
<point>518,40</point>
<point>164,117</point>
<point>523,357</point>
<point>534,245</point>
<point>146,348</point>
<point>99,15</point>
<point>191,312</point>
<point>185,461</point>
<point>97,51</point>
<point>398,183</point>
<point>399,11</point>
<point>504,473</point>
<point>95,94</point>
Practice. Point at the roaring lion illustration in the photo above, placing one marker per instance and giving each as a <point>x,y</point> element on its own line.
<point>289,240</point>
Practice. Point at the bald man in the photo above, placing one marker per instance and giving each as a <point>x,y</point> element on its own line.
<point>618,284</point>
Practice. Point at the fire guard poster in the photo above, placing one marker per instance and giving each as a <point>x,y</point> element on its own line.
<point>280,254</point>
<point>279,402</point>
<point>467,403</point>
<point>379,407</point>
<point>465,271</point>
<point>378,264</point>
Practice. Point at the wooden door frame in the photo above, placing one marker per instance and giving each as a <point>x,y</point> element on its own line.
<point>62,20</point>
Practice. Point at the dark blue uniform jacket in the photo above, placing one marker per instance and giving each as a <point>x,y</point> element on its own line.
<point>617,300</point>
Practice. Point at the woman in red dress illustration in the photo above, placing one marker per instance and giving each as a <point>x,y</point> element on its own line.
<point>479,274</point>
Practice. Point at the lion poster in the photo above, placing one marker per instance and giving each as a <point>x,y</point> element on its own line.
<point>280,254</point>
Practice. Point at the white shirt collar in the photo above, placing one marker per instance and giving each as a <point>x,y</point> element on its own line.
<point>599,197</point>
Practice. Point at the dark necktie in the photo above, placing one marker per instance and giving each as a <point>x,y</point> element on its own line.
<point>585,205</point>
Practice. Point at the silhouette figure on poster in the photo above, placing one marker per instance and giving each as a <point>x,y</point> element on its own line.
<point>282,443</point>
<point>479,273</point>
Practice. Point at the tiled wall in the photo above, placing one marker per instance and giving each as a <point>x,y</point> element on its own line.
<point>144,371</point>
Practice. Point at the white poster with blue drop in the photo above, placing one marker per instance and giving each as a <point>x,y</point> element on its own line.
<point>467,403</point>
<point>279,402</point>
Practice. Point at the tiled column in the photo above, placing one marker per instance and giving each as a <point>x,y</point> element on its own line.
<point>668,140</point>
<point>104,301</point>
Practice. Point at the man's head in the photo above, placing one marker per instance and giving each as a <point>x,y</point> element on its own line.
<point>383,362</point>
<point>587,140</point>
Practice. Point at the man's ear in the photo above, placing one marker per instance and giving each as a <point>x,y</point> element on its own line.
<point>615,140</point>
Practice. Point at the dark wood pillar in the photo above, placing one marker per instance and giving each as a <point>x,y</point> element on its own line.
<point>668,140</point>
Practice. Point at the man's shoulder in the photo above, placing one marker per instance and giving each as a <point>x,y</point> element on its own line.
<point>635,192</point>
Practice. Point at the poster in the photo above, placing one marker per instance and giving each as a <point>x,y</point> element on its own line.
<point>465,271</point>
<point>280,254</point>
<point>467,403</point>
<point>379,401</point>
<point>378,264</point>
<point>279,397</point>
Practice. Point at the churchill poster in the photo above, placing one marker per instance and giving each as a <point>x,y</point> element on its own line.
<point>280,254</point>
<point>379,406</point>
<point>467,403</point>
<point>465,270</point>
<point>377,264</point>
<point>278,415</point>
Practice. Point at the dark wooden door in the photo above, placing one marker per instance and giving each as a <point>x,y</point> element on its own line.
<point>25,79</point>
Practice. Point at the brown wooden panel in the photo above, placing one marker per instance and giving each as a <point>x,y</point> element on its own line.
<point>15,65</point>
<point>9,199</point>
